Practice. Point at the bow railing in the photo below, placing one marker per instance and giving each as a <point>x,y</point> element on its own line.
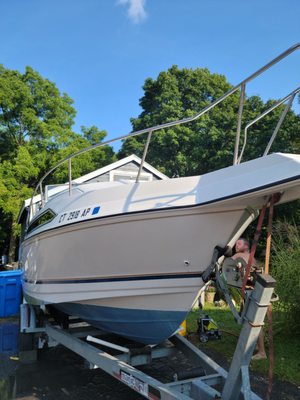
<point>290,97</point>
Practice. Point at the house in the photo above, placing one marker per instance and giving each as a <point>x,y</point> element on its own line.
<point>121,170</point>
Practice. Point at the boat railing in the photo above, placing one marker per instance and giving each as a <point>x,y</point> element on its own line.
<point>290,98</point>
<point>236,158</point>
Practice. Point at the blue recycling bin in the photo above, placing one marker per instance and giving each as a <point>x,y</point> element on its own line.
<point>10,292</point>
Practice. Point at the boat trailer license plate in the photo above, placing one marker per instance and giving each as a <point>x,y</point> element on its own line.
<point>134,383</point>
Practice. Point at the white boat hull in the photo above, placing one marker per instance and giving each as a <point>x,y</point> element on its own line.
<point>136,252</point>
<point>104,265</point>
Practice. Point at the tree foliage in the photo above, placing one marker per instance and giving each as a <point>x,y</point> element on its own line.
<point>32,110</point>
<point>192,148</point>
<point>207,143</point>
<point>35,133</point>
<point>285,268</point>
<point>86,162</point>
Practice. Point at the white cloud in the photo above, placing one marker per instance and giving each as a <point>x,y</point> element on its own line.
<point>136,10</point>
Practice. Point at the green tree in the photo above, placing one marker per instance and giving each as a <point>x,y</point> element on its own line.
<point>86,162</point>
<point>207,143</point>
<point>287,139</point>
<point>13,190</point>
<point>32,110</point>
<point>35,121</point>
<point>285,269</point>
<point>35,133</point>
<point>191,148</point>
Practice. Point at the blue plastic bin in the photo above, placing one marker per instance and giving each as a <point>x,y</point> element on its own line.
<point>9,334</point>
<point>10,292</point>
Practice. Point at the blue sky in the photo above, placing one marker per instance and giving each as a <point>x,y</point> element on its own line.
<point>101,51</point>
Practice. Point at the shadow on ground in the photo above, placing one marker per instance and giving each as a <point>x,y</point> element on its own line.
<point>60,374</point>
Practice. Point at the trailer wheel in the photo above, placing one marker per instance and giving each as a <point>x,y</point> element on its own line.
<point>203,338</point>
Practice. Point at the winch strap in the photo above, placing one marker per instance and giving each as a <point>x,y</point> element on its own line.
<point>270,310</point>
<point>269,236</point>
<point>254,246</point>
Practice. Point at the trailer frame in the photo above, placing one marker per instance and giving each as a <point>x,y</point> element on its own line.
<point>206,380</point>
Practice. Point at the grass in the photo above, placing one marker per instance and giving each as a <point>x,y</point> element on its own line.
<point>286,347</point>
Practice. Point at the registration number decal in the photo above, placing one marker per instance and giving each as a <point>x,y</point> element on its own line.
<point>76,215</point>
<point>134,383</point>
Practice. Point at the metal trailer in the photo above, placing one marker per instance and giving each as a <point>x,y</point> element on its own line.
<point>207,380</point>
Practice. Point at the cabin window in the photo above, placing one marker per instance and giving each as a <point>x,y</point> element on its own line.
<point>43,219</point>
<point>22,221</point>
<point>129,176</point>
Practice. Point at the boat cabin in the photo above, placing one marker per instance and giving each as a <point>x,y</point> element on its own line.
<point>125,169</point>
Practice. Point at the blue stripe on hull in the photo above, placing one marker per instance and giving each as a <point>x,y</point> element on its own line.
<point>144,326</point>
<point>116,279</point>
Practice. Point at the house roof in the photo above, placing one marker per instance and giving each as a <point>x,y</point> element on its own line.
<point>119,164</point>
<point>97,172</point>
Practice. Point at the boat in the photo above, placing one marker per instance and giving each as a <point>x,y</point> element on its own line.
<point>129,257</point>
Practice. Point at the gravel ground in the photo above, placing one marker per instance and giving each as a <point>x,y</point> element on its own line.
<point>60,374</point>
